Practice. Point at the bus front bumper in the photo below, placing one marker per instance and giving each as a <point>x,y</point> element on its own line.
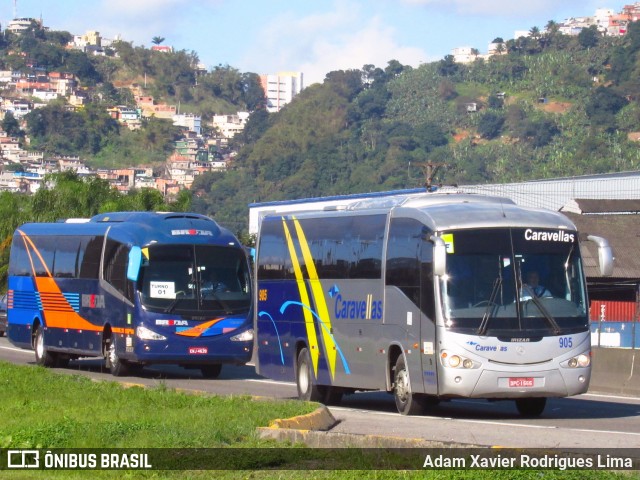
<point>560,382</point>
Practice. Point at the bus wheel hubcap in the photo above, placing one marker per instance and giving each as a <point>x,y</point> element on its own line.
<point>304,378</point>
<point>39,345</point>
<point>402,387</point>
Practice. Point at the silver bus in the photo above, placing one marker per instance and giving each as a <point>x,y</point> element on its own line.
<point>430,297</point>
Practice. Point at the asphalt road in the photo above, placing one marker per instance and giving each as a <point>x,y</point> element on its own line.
<point>586,421</point>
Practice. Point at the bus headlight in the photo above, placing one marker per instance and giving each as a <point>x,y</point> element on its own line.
<point>246,336</point>
<point>584,360</point>
<point>143,333</point>
<point>579,361</point>
<point>456,361</point>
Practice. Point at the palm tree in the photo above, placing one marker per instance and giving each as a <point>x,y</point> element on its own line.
<point>534,33</point>
<point>157,40</point>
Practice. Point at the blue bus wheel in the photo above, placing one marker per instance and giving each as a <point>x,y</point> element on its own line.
<point>307,389</point>
<point>44,357</point>
<point>116,365</point>
<point>211,371</point>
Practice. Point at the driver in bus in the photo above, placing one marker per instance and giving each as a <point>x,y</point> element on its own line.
<point>212,285</point>
<point>533,282</point>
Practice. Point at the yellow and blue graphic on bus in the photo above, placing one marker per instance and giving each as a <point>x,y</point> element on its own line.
<point>312,301</point>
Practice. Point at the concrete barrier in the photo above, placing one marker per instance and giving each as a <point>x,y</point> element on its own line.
<point>615,370</point>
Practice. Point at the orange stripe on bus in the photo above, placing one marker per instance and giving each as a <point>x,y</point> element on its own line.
<point>199,329</point>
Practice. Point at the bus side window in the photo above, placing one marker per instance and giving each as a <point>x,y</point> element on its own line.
<point>65,259</point>
<point>19,260</point>
<point>43,262</point>
<point>115,267</point>
<point>89,255</point>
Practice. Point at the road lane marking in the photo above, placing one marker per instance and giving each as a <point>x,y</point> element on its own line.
<point>14,349</point>
<point>274,382</point>
<point>488,422</point>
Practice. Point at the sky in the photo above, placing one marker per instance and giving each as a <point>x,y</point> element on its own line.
<point>309,36</point>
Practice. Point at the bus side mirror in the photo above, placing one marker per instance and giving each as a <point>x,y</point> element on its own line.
<point>439,256</point>
<point>605,255</point>
<point>135,260</point>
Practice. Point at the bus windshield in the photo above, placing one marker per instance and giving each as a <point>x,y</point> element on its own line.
<point>513,283</point>
<point>194,280</point>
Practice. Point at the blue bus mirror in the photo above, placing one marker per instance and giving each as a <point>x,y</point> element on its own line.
<point>135,260</point>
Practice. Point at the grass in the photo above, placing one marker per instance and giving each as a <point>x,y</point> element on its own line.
<point>40,409</point>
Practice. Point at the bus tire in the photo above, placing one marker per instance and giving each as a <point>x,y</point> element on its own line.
<point>531,407</point>
<point>331,395</point>
<point>62,361</point>
<point>407,403</point>
<point>115,364</point>
<point>307,389</point>
<point>44,357</point>
<point>211,371</point>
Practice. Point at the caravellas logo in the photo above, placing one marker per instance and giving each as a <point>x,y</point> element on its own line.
<point>23,459</point>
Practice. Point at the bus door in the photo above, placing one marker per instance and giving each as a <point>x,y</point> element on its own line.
<point>428,346</point>
<point>408,302</point>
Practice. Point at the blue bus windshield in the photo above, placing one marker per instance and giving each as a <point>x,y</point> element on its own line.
<point>194,280</point>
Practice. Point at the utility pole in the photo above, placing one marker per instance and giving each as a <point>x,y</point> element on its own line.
<point>430,169</point>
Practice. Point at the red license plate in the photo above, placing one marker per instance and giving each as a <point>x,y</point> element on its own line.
<point>519,382</point>
<point>198,350</point>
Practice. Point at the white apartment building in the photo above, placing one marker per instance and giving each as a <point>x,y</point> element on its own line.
<point>19,25</point>
<point>229,125</point>
<point>281,88</point>
<point>190,121</point>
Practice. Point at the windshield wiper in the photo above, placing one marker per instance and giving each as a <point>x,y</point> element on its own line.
<point>173,304</point>
<point>534,298</point>
<point>213,294</point>
<point>491,305</point>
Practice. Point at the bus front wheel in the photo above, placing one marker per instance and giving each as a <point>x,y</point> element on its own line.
<point>307,389</point>
<point>407,403</point>
<point>531,407</point>
<point>115,364</point>
<point>44,357</point>
<point>211,371</point>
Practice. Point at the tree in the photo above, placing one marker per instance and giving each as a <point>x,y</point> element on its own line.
<point>11,126</point>
<point>602,107</point>
<point>157,40</point>
<point>490,125</point>
<point>589,37</point>
<point>447,67</point>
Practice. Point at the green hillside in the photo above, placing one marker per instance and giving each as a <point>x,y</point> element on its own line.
<point>554,105</point>
<point>549,105</point>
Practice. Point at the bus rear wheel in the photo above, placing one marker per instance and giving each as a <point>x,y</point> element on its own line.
<point>44,357</point>
<point>407,402</point>
<point>211,371</point>
<point>531,407</point>
<point>115,364</point>
<point>307,389</point>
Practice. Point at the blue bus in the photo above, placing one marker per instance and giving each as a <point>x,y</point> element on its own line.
<point>136,288</point>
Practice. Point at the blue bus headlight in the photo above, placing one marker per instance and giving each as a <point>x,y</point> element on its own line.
<point>246,336</point>
<point>143,333</point>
